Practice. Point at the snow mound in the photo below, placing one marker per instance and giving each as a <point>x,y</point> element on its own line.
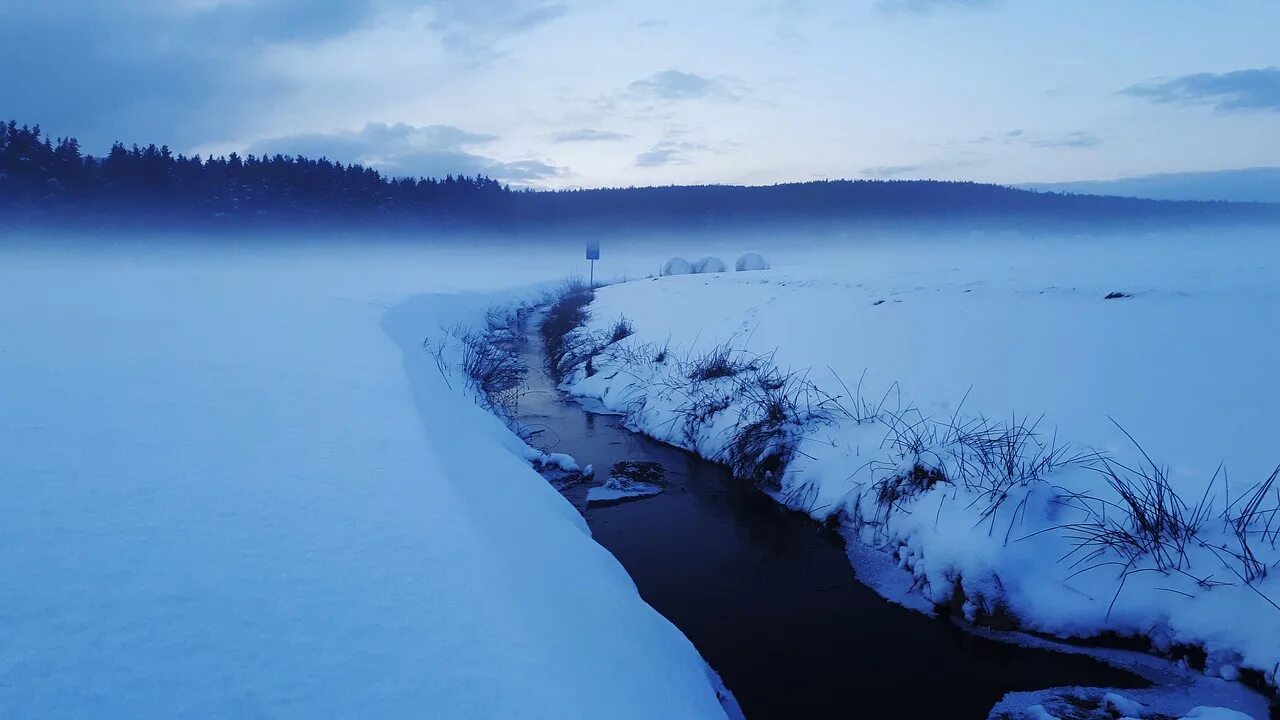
<point>611,493</point>
<point>1121,705</point>
<point>556,460</point>
<point>676,266</point>
<point>751,261</point>
<point>709,264</point>
<point>629,480</point>
<point>1214,713</point>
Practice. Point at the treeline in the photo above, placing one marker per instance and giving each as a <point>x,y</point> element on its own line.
<point>866,199</point>
<point>38,173</point>
<point>43,181</point>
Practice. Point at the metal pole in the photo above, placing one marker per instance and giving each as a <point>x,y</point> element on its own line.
<point>593,273</point>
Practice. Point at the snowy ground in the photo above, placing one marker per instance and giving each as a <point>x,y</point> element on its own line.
<point>1015,329</point>
<point>235,486</point>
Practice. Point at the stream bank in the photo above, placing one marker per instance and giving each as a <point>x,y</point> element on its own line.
<point>770,599</point>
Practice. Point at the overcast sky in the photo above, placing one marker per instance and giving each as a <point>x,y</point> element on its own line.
<point>601,92</point>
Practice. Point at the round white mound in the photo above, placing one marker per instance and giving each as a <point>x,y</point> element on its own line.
<point>710,264</point>
<point>676,266</point>
<point>751,261</point>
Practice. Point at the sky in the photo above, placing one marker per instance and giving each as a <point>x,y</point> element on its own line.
<point>589,93</point>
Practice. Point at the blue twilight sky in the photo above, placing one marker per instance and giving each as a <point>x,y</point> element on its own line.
<point>556,93</point>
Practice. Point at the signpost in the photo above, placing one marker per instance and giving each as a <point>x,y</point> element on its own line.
<point>593,254</point>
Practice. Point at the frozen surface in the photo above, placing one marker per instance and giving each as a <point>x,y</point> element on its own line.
<point>1186,362</point>
<point>224,496</point>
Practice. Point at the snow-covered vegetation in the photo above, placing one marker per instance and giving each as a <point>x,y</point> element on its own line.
<point>1069,437</point>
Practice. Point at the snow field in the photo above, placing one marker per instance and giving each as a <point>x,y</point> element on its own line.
<point>236,485</point>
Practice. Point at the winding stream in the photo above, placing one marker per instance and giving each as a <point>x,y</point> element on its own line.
<point>770,601</point>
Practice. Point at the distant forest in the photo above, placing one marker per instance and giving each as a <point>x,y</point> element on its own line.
<point>43,181</point>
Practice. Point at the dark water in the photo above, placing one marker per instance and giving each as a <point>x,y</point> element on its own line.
<point>771,602</point>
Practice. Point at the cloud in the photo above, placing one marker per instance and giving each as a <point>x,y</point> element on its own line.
<point>1254,89</point>
<point>588,135</point>
<point>507,15</point>
<point>660,155</point>
<point>1078,139</point>
<point>884,172</point>
<point>471,28</point>
<point>406,150</point>
<point>670,152</point>
<point>675,85</point>
<point>673,150</point>
<point>198,72</point>
<point>653,96</point>
<point>924,7</point>
<point>110,73</point>
<point>939,167</point>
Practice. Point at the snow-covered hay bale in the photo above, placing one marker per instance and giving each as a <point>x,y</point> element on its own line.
<point>709,264</point>
<point>676,266</point>
<point>751,261</point>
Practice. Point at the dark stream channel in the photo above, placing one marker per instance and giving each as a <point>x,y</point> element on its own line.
<point>772,603</point>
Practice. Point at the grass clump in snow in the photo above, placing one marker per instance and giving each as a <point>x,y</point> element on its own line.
<point>621,330</point>
<point>568,345</point>
<point>759,410</point>
<point>1152,528</point>
<point>775,409</point>
<point>855,406</point>
<point>660,354</point>
<point>1000,461</point>
<point>567,313</point>
<point>645,471</point>
<point>1256,518</point>
<point>637,354</point>
<point>764,438</point>
<point>488,361</point>
<point>496,372</point>
<point>919,479</point>
<point>994,462</point>
<point>719,362</point>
